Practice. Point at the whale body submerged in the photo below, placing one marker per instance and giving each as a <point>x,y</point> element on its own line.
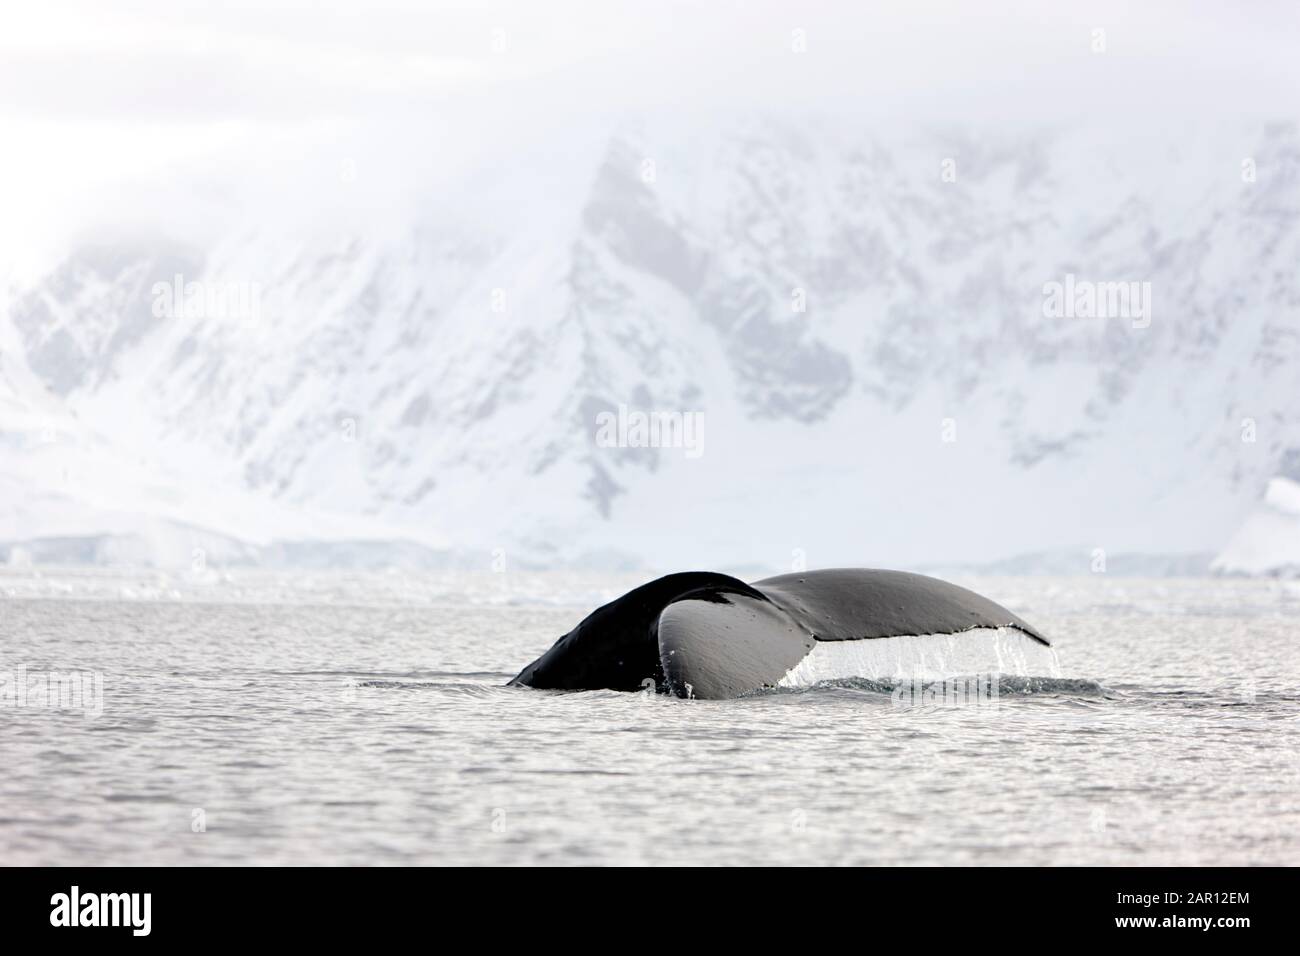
<point>706,635</point>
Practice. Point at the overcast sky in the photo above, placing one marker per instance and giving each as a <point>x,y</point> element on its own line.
<point>91,95</point>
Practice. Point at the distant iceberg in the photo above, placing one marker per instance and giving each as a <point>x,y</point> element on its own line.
<point>1268,542</point>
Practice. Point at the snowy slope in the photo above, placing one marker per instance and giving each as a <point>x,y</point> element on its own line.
<point>832,306</point>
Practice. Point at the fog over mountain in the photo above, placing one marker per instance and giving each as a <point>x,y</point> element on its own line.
<point>391,336</point>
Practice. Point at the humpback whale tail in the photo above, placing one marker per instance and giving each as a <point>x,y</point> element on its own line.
<point>707,635</point>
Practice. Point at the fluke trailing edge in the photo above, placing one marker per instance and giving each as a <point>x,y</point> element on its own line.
<point>706,635</point>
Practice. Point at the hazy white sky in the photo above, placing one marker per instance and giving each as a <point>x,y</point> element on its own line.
<point>92,94</point>
<point>181,60</point>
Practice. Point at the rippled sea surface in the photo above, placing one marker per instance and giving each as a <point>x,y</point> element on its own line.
<point>361,719</point>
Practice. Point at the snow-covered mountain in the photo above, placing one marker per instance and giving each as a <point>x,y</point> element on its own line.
<point>857,324</point>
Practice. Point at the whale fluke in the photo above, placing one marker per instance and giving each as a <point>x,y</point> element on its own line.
<point>707,635</point>
<point>718,649</point>
<point>847,604</point>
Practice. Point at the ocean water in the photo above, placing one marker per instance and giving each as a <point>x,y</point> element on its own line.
<point>362,719</point>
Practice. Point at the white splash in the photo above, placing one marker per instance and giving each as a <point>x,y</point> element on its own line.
<point>983,650</point>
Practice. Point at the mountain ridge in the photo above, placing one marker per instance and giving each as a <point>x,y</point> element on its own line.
<point>864,339</point>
